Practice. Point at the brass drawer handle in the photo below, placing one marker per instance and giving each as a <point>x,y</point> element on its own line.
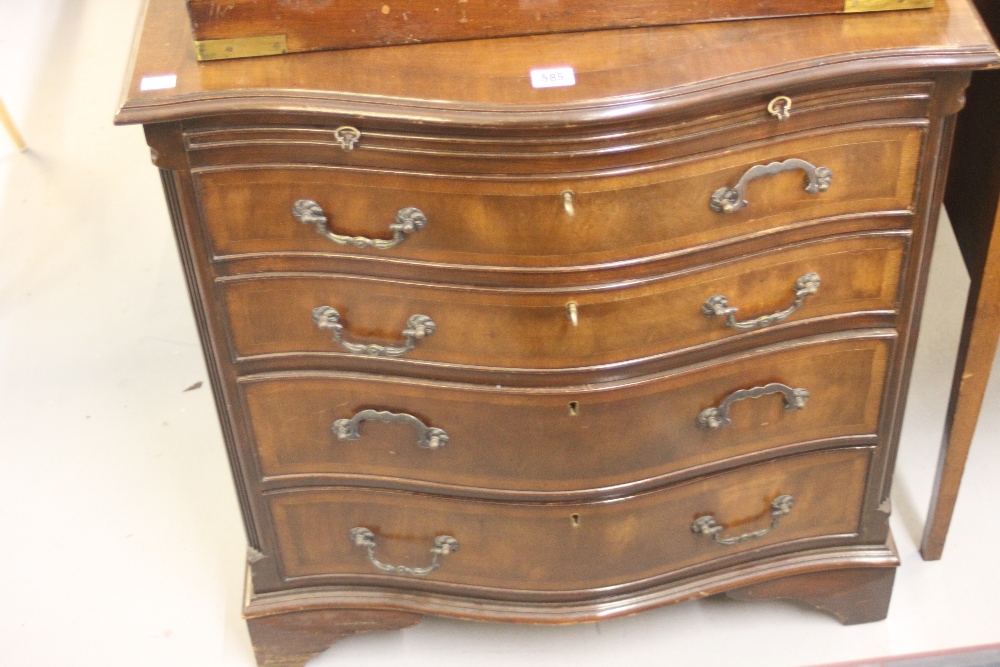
<point>715,418</point>
<point>730,200</point>
<point>408,221</point>
<point>707,525</point>
<point>417,328</point>
<point>427,437</point>
<point>443,545</point>
<point>718,306</point>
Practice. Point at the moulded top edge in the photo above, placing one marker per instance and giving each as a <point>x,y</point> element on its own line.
<point>618,73</point>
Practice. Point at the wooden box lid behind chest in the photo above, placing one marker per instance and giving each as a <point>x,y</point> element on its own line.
<point>245,28</point>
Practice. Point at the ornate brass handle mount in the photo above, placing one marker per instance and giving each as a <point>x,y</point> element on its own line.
<point>443,545</point>
<point>408,221</point>
<point>718,306</point>
<point>707,525</point>
<point>716,418</point>
<point>417,328</point>
<point>427,436</point>
<point>730,200</point>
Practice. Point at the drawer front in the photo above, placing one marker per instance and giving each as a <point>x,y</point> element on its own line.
<point>633,212</point>
<point>400,145</point>
<point>526,329</point>
<point>497,441</point>
<point>572,546</point>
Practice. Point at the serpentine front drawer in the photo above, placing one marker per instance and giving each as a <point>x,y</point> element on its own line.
<point>332,317</point>
<point>337,428</point>
<point>407,540</point>
<point>392,146</point>
<point>572,220</point>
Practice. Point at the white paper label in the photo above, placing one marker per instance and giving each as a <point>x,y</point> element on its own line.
<point>553,78</point>
<point>165,82</point>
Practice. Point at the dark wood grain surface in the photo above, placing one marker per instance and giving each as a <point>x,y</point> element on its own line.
<point>566,442</point>
<point>292,639</point>
<point>617,216</point>
<point>853,596</point>
<point>527,329</point>
<point>973,203</point>
<point>533,152</point>
<point>620,73</point>
<point>554,551</point>
<point>308,26</point>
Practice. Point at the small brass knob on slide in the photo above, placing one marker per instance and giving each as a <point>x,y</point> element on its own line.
<point>780,107</point>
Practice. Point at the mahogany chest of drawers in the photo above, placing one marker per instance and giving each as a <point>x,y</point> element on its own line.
<point>498,352</point>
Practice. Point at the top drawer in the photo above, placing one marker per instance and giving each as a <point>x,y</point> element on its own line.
<point>571,220</point>
<point>525,142</point>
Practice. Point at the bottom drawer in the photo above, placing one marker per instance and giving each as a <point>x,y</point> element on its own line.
<point>564,547</point>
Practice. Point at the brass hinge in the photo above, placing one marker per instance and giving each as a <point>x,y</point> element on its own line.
<point>240,47</point>
<point>885,5</point>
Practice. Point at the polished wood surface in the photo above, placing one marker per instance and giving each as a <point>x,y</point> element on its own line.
<point>620,74</point>
<point>853,596</point>
<point>972,202</point>
<point>554,443</point>
<point>291,640</point>
<point>504,222</point>
<point>977,348</point>
<point>698,586</point>
<point>344,25</point>
<point>271,314</point>
<point>539,551</point>
<point>579,149</point>
<point>566,443</point>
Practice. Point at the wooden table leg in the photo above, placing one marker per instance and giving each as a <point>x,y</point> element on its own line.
<point>972,202</point>
<point>975,358</point>
<point>8,124</point>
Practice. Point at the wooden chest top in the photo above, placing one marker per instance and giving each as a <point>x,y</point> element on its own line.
<point>619,73</point>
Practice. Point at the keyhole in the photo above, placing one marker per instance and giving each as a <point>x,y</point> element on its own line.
<point>574,409</point>
<point>568,202</point>
<point>575,520</point>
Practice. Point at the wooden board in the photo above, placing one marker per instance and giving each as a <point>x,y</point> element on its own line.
<point>243,28</point>
<point>972,202</point>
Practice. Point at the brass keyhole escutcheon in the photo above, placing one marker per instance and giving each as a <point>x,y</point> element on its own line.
<point>572,312</point>
<point>575,520</point>
<point>780,107</point>
<point>568,198</point>
<point>574,409</point>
